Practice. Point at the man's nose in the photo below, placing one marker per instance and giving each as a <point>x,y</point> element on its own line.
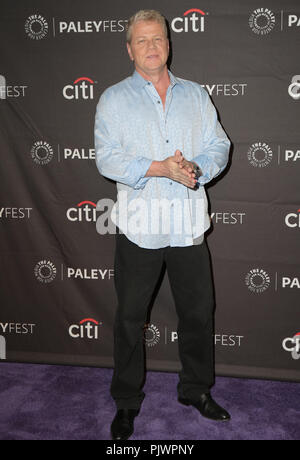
<point>152,43</point>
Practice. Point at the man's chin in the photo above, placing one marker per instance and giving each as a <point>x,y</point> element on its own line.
<point>154,67</point>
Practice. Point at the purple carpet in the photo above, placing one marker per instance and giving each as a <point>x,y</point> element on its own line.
<point>47,402</point>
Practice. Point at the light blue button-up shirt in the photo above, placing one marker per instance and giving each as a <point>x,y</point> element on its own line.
<point>132,128</point>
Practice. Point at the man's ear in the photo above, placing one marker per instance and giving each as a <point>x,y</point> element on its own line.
<point>129,51</point>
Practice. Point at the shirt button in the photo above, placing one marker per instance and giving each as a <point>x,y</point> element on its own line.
<point>158,102</point>
<point>171,183</point>
<point>167,140</point>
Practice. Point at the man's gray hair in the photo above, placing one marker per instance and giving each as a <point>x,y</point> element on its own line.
<point>145,15</point>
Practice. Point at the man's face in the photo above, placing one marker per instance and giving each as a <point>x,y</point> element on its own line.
<point>149,47</point>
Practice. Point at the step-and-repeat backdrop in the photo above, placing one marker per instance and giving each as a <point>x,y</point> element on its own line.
<point>56,270</point>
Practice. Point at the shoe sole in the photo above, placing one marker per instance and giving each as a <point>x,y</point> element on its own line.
<point>120,439</point>
<point>186,403</point>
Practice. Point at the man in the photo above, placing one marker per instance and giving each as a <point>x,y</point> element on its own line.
<point>159,138</point>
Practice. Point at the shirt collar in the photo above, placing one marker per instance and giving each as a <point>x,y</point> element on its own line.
<point>139,82</point>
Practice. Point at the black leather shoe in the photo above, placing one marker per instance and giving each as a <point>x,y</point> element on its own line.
<point>207,407</point>
<point>122,425</point>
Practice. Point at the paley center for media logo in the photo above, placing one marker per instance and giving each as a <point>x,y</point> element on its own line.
<point>257,280</point>
<point>36,27</point>
<point>262,21</point>
<point>151,335</point>
<point>260,154</point>
<point>41,152</point>
<point>45,271</point>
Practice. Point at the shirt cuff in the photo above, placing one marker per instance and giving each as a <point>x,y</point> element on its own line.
<point>144,163</point>
<point>208,167</point>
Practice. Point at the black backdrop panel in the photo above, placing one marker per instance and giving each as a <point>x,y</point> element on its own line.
<point>57,278</point>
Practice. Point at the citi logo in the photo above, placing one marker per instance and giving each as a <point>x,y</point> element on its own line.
<point>292,345</point>
<point>82,88</point>
<point>294,87</point>
<point>192,19</point>
<point>87,328</point>
<point>292,219</point>
<point>84,211</point>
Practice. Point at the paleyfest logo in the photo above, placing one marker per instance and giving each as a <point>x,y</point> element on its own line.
<point>7,91</point>
<point>192,20</point>
<point>2,347</point>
